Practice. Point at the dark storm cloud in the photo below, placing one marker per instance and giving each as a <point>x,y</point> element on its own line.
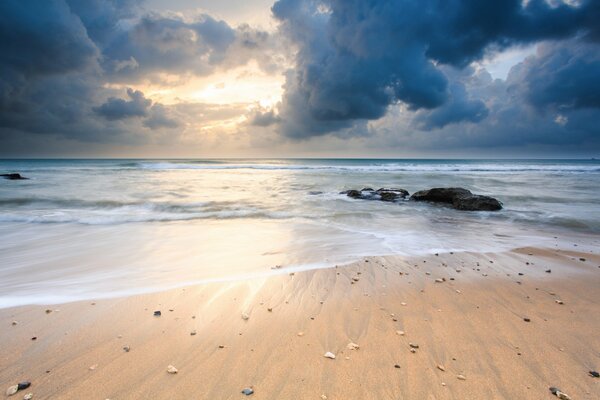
<point>116,108</point>
<point>355,58</point>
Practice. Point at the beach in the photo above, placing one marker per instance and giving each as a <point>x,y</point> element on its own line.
<point>462,314</point>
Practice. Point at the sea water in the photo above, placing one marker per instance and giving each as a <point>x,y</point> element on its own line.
<point>88,229</point>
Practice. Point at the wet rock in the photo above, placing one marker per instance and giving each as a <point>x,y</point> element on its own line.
<point>172,370</point>
<point>13,177</point>
<point>247,391</point>
<point>558,393</point>
<point>382,194</point>
<point>459,198</point>
<point>329,355</point>
<point>594,374</point>
<point>157,313</point>
<point>23,385</point>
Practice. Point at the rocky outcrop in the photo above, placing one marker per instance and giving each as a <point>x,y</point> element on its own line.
<point>382,194</point>
<point>459,198</point>
<point>13,177</point>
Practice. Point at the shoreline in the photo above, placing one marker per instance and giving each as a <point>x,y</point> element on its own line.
<point>471,323</point>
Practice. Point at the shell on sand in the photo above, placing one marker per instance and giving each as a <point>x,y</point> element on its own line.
<point>329,355</point>
<point>171,369</point>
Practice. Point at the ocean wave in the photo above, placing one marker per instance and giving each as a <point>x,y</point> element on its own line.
<point>384,167</point>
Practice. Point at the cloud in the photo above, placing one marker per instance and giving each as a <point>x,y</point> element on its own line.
<point>115,108</point>
<point>264,118</point>
<point>160,117</point>
<point>355,58</point>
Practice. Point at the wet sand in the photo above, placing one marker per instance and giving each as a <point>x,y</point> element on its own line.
<point>470,324</point>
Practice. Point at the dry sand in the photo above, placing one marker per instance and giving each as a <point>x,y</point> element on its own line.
<point>472,326</point>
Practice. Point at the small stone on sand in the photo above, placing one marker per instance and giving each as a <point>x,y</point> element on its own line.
<point>14,323</point>
<point>28,396</point>
<point>401,333</point>
<point>329,355</point>
<point>559,302</point>
<point>397,366</point>
<point>414,345</point>
<point>300,333</point>
<point>461,377</point>
<point>126,349</point>
<point>559,394</point>
<point>352,346</point>
<point>193,333</point>
<point>12,390</point>
<point>526,319</point>
<point>441,367</point>
<point>157,313</point>
<point>594,374</point>
<point>247,391</point>
<point>245,316</point>
<point>93,367</point>
<point>171,369</point>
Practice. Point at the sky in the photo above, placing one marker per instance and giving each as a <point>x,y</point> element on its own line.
<point>299,78</point>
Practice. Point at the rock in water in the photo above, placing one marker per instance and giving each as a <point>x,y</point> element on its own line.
<point>171,369</point>
<point>459,198</point>
<point>561,395</point>
<point>12,390</point>
<point>13,177</point>
<point>353,346</point>
<point>247,391</point>
<point>329,355</point>
<point>382,194</point>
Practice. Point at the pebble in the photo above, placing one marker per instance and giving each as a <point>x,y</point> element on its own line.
<point>438,280</point>
<point>12,390</point>
<point>559,302</point>
<point>329,355</point>
<point>396,366</point>
<point>14,323</point>
<point>126,349</point>
<point>269,309</point>
<point>245,316</point>
<point>413,350</point>
<point>323,397</point>
<point>594,374</point>
<point>221,346</point>
<point>48,311</point>
<point>401,333</point>
<point>28,396</point>
<point>548,271</point>
<point>414,345</point>
<point>353,346</point>
<point>247,391</point>
<point>461,377</point>
<point>193,333</point>
<point>300,334</point>
<point>441,367</point>
<point>559,394</point>
<point>93,367</point>
<point>526,319</point>
<point>157,313</point>
<point>403,304</point>
<point>171,369</point>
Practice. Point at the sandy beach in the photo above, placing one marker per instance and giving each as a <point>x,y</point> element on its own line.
<point>465,311</point>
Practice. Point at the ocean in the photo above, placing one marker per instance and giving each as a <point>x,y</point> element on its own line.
<point>90,229</point>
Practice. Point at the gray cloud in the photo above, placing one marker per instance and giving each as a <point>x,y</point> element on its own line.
<point>357,58</point>
<point>116,108</point>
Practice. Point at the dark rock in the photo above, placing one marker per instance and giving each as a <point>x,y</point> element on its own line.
<point>477,203</point>
<point>24,385</point>
<point>459,198</point>
<point>382,194</point>
<point>440,195</point>
<point>396,366</point>
<point>548,271</point>
<point>526,319</point>
<point>13,177</point>
<point>157,313</point>
<point>594,374</point>
<point>247,391</point>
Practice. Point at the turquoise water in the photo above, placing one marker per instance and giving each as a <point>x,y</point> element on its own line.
<point>99,228</point>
